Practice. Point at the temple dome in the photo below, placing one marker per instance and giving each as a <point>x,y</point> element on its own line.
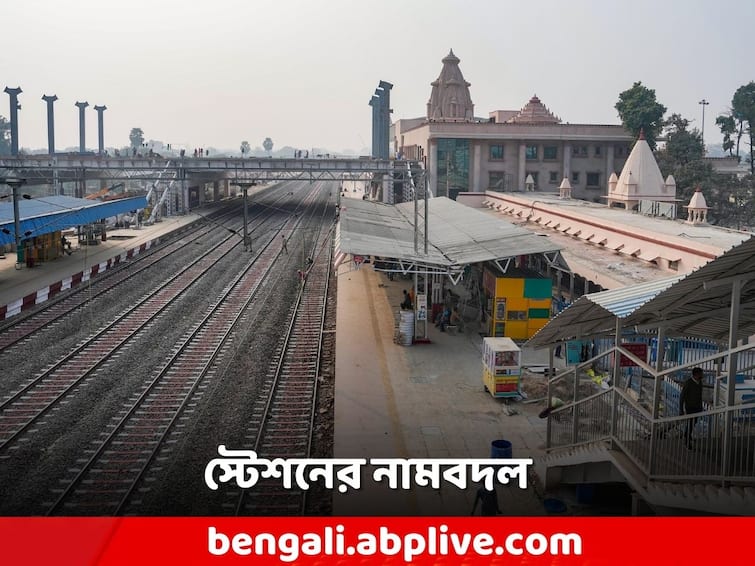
<point>449,99</point>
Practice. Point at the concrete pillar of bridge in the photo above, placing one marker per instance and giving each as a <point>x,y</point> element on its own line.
<point>82,130</point>
<point>14,108</point>
<point>100,129</point>
<point>226,188</point>
<point>50,99</point>
<point>216,191</point>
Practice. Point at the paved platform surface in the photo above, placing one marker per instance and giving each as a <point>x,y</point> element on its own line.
<point>420,401</point>
<point>16,284</point>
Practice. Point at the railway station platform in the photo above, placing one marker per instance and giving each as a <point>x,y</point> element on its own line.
<point>422,401</point>
<point>27,285</point>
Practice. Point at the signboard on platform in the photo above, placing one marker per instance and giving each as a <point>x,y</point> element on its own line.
<point>421,306</point>
<point>637,349</point>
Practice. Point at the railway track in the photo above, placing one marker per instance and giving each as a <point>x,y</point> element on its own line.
<point>283,416</point>
<point>106,483</point>
<point>15,333</point>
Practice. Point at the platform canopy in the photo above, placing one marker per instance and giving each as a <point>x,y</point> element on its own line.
<point>698,304</point>
<point>43,215</point>
<point>457,236</point>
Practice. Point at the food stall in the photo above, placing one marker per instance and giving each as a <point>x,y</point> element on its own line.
<point>501,366</point>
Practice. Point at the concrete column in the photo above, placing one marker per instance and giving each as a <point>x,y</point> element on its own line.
<point>567,161</point>
<point>216,191</point>
<point>477,185</point>
<point>522,165</point>
<point>100,129</point>
<point>82,130</point>
<point>14,106</point>
<point>432,167</point>
<point>50,122</point>
<point>226,188</point>
<point>609,162</point>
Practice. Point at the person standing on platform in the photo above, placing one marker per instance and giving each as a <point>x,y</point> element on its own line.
<point>285,247</point>
<point>489,500</point>
<point>406,304</point>
<point>691,402</point>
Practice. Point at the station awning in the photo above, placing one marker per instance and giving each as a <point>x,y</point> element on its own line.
<point>457,235</point>
<point>597,312</point>
<point>43,215</point>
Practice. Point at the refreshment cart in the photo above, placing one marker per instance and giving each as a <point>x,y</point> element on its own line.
<point>501,366</point>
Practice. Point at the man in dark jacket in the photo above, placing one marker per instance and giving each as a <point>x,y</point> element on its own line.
<point>691,401</point>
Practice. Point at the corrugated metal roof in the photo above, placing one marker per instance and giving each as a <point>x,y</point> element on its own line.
<point>458,235</point>
<point>597,312</point>
<point>689,309</point>
<point>49,214</point>
<point>682,304</point>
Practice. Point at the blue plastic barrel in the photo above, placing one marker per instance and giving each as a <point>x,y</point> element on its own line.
<point>500,449</point>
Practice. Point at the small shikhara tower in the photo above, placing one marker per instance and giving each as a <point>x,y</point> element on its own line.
<point>449,99</point>
<point>640,179</point>
<point>697,209</point>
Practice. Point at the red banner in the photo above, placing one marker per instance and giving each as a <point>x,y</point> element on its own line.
<point>378,540</point>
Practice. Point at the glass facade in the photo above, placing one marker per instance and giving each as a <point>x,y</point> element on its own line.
<point>452,167</point>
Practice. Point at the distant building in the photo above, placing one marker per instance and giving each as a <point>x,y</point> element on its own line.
<point>464,153</point>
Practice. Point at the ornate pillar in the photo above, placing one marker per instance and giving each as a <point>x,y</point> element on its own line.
<point>432,167</point>
<point>522,165</point>
<point>567,161</point>
<point>609,162</point>
<point>477,186</point>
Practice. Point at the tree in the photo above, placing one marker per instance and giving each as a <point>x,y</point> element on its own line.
<point>682,157</point>
<point>136,137</point>
<point>682,145</point>
<point>268,145</point>
<point>4,136</point>
<point>639,110</point>
<point>743,109</point>
<point>245,148</point>
<point>728,126</point>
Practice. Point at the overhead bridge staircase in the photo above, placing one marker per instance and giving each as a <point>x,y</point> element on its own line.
<point>610,437</point>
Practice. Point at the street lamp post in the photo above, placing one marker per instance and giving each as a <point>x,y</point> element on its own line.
<point>245,187</point>
<point>703,103</point>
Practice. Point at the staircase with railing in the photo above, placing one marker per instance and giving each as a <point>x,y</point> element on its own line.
<point>711,468</point>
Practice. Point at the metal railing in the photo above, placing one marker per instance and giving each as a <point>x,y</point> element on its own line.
<point>712,446</point>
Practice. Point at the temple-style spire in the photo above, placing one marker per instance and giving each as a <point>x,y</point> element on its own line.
<point>697,209</point>
<point>535,112</point>
<point>640,179</point>
<point>449,99</point>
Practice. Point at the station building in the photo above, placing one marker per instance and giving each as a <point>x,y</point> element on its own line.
<point>640,233</point>
<point>508,148</point>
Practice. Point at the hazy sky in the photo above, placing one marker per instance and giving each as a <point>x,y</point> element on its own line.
<point>216,72</point>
